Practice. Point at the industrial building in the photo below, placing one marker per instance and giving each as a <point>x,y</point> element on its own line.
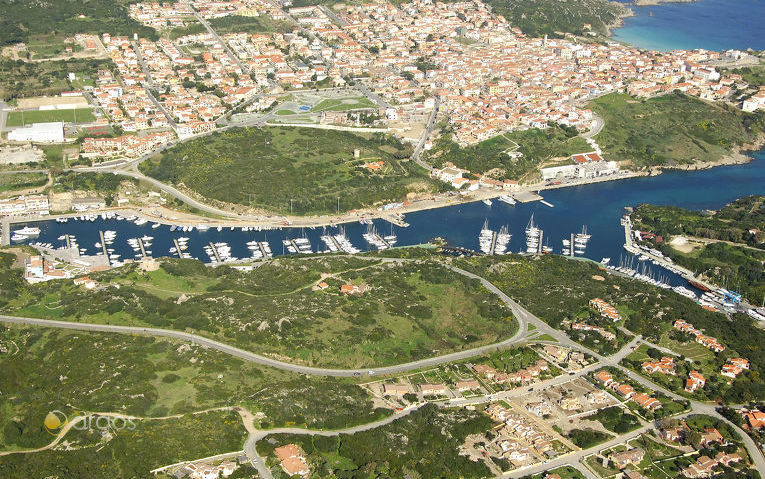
<point>39,132</point>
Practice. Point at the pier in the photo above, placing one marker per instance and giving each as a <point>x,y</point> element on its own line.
<point>547,203</point>
<point>103,243</point>
<point>396,221</point>
<point>215,252</point>
<point>493,242</point>
<point>263,249</point>
<point>631,247</point>
<point>527,196</point>
<point>177,248</point>
<point>6,234</point>
<point>143,249</point>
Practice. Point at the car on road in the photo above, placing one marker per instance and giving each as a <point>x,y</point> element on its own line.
<point>371,373</point>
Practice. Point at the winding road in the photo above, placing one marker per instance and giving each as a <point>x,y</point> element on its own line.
<point>524,317</point>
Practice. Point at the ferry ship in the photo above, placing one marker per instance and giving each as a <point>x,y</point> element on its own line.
<point>507,199</point>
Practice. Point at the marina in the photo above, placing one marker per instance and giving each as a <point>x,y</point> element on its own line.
<point>599,206</point>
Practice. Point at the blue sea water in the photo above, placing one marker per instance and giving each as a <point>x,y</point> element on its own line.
<point>597,206</point>
<point>708,24</point>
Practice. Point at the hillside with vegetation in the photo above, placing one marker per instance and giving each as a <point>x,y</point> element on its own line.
<point>673,129</point>
<point>130,453</point>
<point>267,168</point>
<point>537,18</point>
<point>405,311</point>
<point>152,377</point>
<point>495,156</point>
<point>557,290</point>
<point>424,444</point>
<point>727,246</point>
<point>22,19</point>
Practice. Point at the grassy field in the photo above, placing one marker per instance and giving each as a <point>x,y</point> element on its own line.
<point>491,156</point>
<point>19,181</point>
<point>672,129</point>
<point>409,311</point>
<point>343,104</point>
<point>79,115</point>
<point>148,377</point>
<point>48,46</point>
<point>270,167</point>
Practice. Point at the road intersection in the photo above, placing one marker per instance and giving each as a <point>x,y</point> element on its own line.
<point>525,319</point>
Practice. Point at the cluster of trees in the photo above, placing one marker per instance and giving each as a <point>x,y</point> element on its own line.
<point>21,79</point>
<point>536,145</point>
<point>732,223</point>
<point>22,19</point>
<point>615,419</point>
<point>554,18</point>
<point>432,439</point>
<point>737,267</point>
<point>586,438</point>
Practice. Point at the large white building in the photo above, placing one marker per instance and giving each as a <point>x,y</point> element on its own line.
<point>580,171</point>
<point>39,132</point>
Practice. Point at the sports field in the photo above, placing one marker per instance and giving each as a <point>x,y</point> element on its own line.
<point>79,115</point>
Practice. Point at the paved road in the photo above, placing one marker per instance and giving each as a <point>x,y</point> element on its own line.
<point>425,135</point>
<point>523,316</point>
<point>4,109</point>
<point>371,95</point>
<point>231,55</point>
<point>598,125</point>
<point>259,463</point>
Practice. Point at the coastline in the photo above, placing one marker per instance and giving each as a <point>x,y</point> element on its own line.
<point>650,3</point>
<point>738,156</point>
<point>619,22</point>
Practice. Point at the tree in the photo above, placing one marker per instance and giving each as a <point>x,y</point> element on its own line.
<point>693,438</point>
